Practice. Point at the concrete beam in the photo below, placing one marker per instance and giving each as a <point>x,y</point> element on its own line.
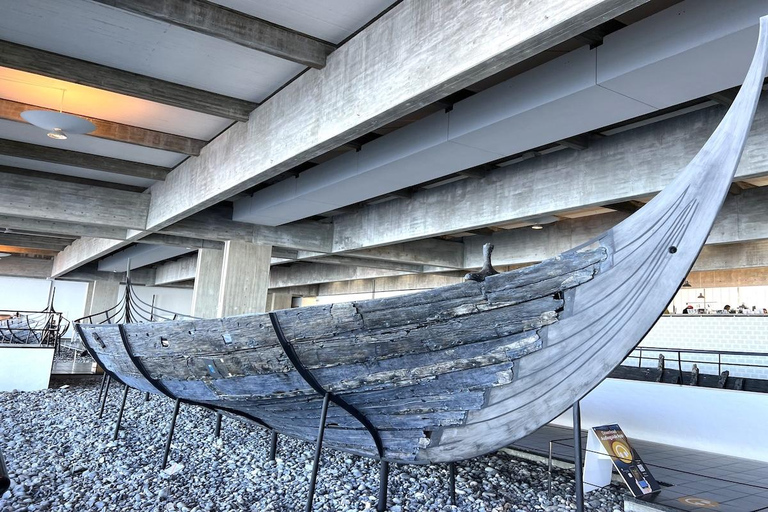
<point>84,160</point>
<point>300,273</point>
<point>78,71</point>
<point>440,253</point>
<point>42,199</point>
<point>351,261</point>
<point>19,266</point>
<point>217,225</point>
<point>30,173</point>
<point>622,167</point>
<point>422,55</point>
<point>741,219</point>
<point>84,251</point>
<point>182,269</point>
<point>732,256</point>
<point>415,282</point>
<point>109,130</point>
<point>181,241</point>
<point>61,228</point>
<point>222,23</point>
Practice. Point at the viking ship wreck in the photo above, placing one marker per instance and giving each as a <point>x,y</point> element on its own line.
<point>44,327</point>
<point>458,371</point>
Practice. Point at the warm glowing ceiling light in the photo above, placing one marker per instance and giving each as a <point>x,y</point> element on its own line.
<point>537,226</point>
<point>58,123</point>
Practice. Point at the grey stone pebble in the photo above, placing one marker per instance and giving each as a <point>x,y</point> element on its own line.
<point>61,458</point>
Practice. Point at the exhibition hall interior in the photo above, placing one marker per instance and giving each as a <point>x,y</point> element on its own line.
<point>391,255</point>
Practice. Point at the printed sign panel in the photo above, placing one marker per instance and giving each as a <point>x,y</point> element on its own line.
<point>626,460</point>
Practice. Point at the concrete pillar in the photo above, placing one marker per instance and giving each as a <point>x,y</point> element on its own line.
<point>205,297</point>
<point>101,295</point>
<point>279,300</point>
<point>244,278</point>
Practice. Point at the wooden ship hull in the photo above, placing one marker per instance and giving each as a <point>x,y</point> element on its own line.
<point>458,371</point>
<point>17,329</point>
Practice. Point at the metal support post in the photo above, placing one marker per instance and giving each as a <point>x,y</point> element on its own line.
<point>217,430</point>
<point>120,413</point>
<point>273,445</point>
<point>170,434</point>
<point>104,400</point>
<point>5,480</point>
<point>383,485</point>
<point>146,396</point>
<point>577,461</point>
<point>101,388</point>
<point>549,472</point>
<point>318,449</point>
<point>452,481</point>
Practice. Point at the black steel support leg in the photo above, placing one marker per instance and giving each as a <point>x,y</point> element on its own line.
<point>217,430</point>
<point>452,479</point>
<point>104,400</point>
<point>273,445</point>
<point>318,449</point>
<point>101,388</point>
<point>146,396</point>
<point>120,414</point>
<point>577,461</point>
<point>383,484</point>
<point>170,434</point>
<point>5,480</point>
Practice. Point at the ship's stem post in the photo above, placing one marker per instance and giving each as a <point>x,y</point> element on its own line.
<point>120,413</point>
<point>101,389</point>
<point>318,449</point>
<point>273,445</point>
<point>217,430</point>
<point>383,484</point>
<point>577,462</point>
<point>170,434</point>
<point>452,481</point>
<point>104,400</point>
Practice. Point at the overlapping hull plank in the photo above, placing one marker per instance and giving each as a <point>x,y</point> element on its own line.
<point>459,371</point>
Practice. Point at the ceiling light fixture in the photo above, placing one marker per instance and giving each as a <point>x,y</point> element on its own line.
<point>537,226</point>
<point>58,123</point>
<point>4,254</point>
<point>686,284</point>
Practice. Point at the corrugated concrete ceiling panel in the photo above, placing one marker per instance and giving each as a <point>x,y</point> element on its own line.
<point>87,101</point>
<point>117,38</point>
<point>329,20</point>
<point>69,170</point>
<point>23,132</point>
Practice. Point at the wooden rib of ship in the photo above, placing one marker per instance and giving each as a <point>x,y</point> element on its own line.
<point>458,371</point>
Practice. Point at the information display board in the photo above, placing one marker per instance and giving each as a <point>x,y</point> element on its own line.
<point>609,443</point>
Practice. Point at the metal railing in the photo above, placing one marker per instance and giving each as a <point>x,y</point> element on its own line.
<point>689,358</point>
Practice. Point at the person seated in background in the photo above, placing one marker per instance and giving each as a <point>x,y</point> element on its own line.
<point>727,310</point>
<point>688,310</point>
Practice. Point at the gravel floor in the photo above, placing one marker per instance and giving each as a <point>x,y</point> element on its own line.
<point>61,457</point>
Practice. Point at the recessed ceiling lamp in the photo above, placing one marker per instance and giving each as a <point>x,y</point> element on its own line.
<point>4,254</point>
<point>537,226</point>
<point>58,123</point>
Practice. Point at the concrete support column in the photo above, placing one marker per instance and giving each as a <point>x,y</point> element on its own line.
<point>279,300</point>
<point>244,278</point>
<point>205,297</point>
<point>101,296</point>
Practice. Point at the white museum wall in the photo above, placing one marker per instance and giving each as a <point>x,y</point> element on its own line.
<point>178,300</point>
<point>713,420</point>
<point>25,368</point>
